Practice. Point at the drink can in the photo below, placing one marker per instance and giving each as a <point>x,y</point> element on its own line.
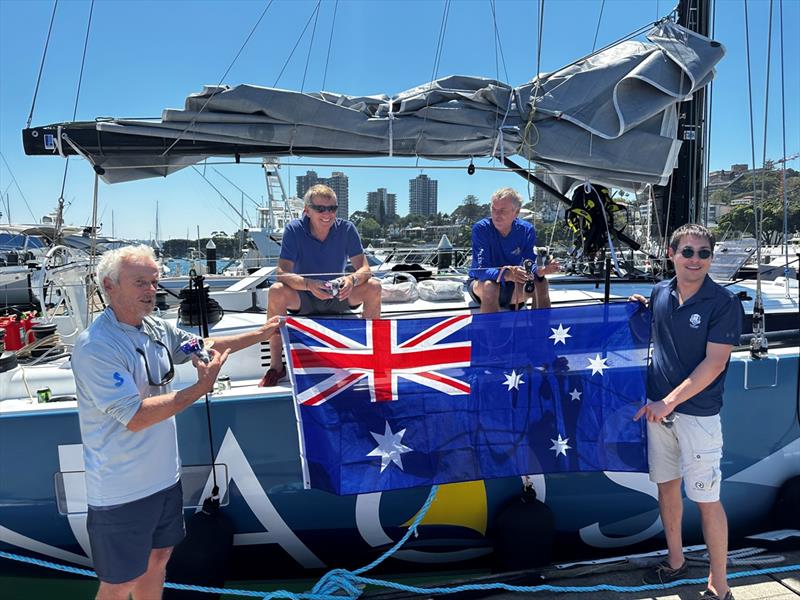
<point>43,395</point>
<point>224,383</point>
<point>191,346</point>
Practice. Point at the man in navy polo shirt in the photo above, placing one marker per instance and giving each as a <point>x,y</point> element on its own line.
<point>696,324</point>
<point>311,266</point>
<point>500,245</point>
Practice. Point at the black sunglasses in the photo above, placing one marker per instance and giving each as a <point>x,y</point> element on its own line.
<point>321,208</point>
<point>688,252</point>
<point>168,376</point>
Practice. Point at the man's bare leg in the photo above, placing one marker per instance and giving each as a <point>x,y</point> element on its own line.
<point>715,534</point>
<point>368,294</point>
<point>151,584</point>
<point>670,505</point>
<point>148,586</point>
<point>489,293</point>
<point>280,298</point>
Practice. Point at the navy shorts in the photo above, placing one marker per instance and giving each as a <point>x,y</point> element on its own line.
<point>506,293</point>
<point>311,305</point>
<point>122,536</point>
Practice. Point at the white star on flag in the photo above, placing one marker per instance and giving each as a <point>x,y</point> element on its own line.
<point>560,445</point>
<point>513,381</point>
<point>389,447</point>
<point>597,365</point>
<point>575,395</point>
<point>560,334</point>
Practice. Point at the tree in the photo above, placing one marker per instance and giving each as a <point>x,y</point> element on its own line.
<point>741,220</point>
<point>368,227</point>
<point>471,210</point>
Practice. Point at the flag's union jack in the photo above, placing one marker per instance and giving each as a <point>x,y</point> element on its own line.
<point>382,358</point>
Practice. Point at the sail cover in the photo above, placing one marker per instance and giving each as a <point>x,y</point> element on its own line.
<point>611,118</point>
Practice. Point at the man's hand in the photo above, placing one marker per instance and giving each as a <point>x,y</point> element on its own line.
<point>515,274</point>
<point>551,267</point>
<point>638,298</point>
<point>319,289</point>
<point>345,287</point>
<point>654,411</point>
<point>271,327</point>
<point>207,373</point>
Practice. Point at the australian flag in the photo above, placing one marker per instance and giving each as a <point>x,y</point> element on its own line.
<point>390,404</point>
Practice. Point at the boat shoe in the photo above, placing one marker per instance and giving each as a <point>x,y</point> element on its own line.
<point>663,573</point>
<point>272,377</point>
<point>709,595</point>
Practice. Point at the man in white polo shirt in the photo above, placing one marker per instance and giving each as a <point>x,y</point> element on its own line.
<point>123,365</point>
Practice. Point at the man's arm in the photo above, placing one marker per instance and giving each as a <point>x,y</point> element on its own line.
<point>703,375</point>
<point>481,269</point>
<point>159,408</point>
<point>234,343</point>
<point>301,283</point>
<point>359,277</point>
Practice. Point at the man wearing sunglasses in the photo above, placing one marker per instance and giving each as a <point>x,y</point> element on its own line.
<point>123,366</point>
<point>311,271</point>
<point>696,324</point>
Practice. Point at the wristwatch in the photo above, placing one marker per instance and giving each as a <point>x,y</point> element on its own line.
<point>355,279</point>
<point>538,278</point>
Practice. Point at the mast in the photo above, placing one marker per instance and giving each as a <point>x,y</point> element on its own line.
<point>681,200</point>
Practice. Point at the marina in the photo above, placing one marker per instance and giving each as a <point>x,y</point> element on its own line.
<point>615,119</point>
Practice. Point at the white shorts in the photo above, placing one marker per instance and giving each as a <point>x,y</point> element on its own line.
<point>691,449</point>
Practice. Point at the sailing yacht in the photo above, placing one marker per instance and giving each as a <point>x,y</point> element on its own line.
<point>256,445</point>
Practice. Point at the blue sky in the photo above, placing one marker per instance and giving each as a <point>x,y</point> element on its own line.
<point>146,56</point>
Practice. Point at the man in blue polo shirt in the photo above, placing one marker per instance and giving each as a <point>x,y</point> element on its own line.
<point>696,324</point>
<point>500,246</point>
<point>311,267</point>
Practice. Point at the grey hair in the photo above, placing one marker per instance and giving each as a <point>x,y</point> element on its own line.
<point>509,193</point>
<point>318,190</point>
<point>111,261</point>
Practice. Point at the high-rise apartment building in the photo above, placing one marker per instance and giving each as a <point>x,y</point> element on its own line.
<point>306,181</point>
<point>381,198</point>
<point>338,182</point>
<point>423,195</point>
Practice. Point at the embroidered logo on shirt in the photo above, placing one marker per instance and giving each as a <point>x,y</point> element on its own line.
<point>516,251</point>
<point>694,321</point>
<point>118,379</point>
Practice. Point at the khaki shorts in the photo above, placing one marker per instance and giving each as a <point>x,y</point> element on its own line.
<point>691,449</point>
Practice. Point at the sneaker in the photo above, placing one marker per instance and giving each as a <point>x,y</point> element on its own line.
<point>663,573</point>
<point>272,377</point>
<point>709,595</point>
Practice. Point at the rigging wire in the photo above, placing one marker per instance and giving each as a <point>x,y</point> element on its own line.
<point>41,66</point>
<point>498,46</point>
<point>296,44</point>
<point>221,79</point>
<point>758,343</point>
<point>783,136</point>
<point>707,128</point>
<point>310,45</point>
<point>221,195</point>
<point>330,43</point>
<point>599,20</point>
<point>60,216</point>
<point>435,70</point>
<point>19,189</point>
<point>245,194</point>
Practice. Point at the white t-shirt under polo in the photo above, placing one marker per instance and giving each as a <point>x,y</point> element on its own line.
<point>111,381</point>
